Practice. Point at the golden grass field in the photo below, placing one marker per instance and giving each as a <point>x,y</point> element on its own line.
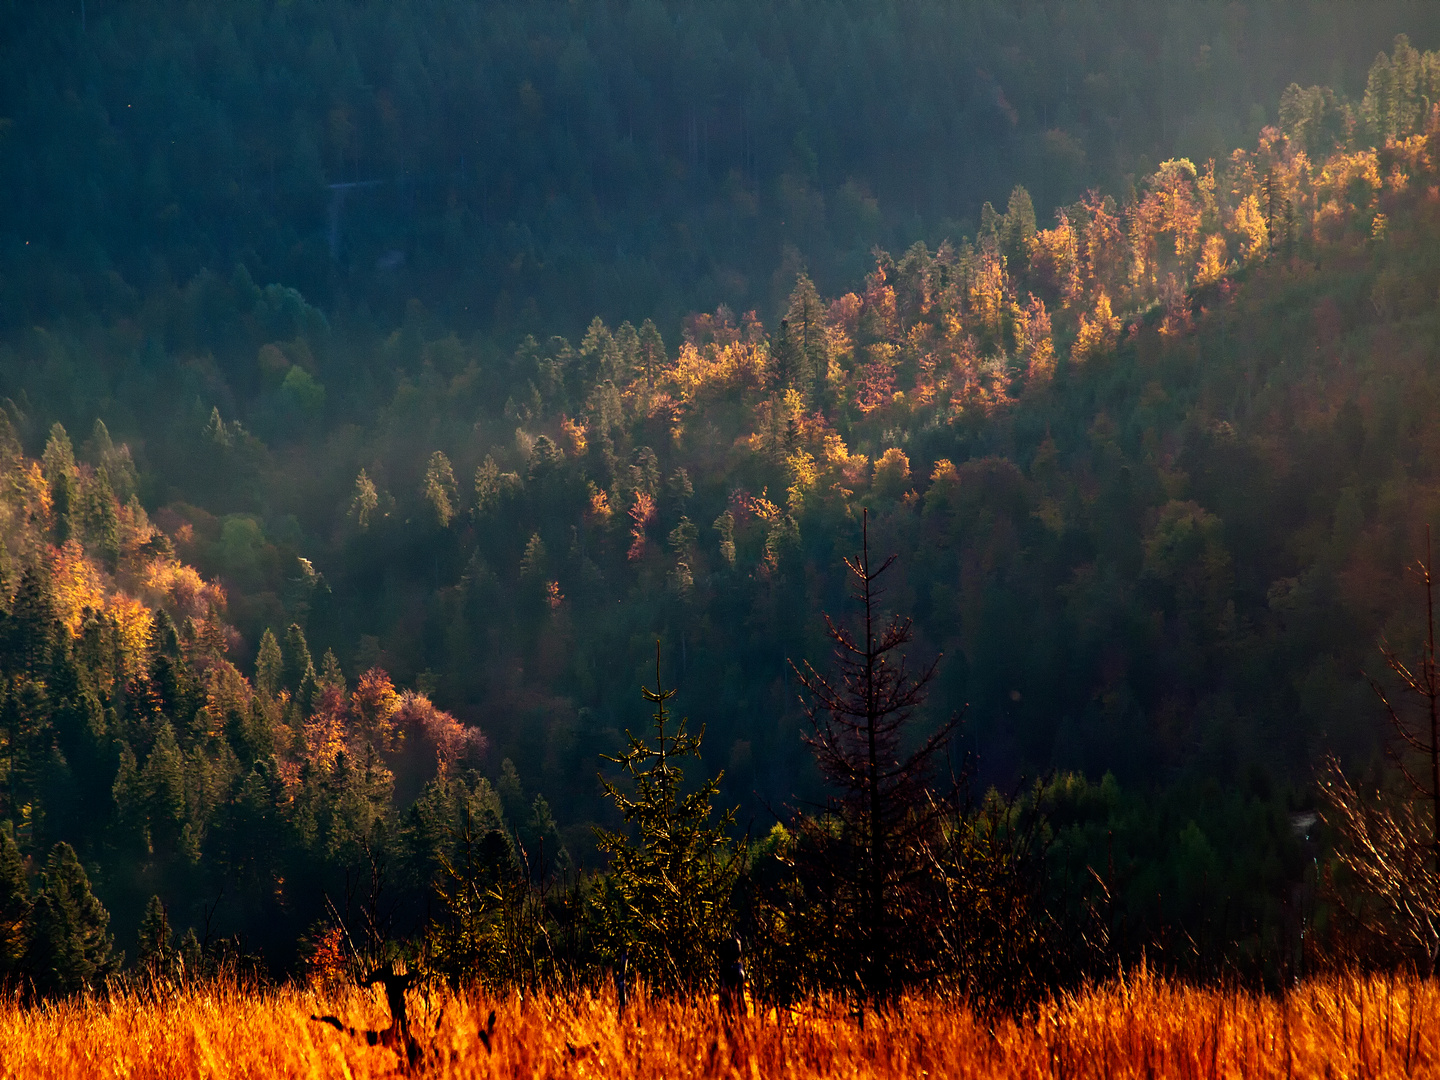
<point>1141,1026</point>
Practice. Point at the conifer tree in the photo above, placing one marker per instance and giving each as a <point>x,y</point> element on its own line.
<point>298,670</point>
<point>858,723</point>
<point>330,677</point>
<point>785,359</point>
<point>672,885</point>
<point>102,523</point>
<point>269,666</point>
<point>651,350</point>
<point>59,467</point>
<point>14,907</point>
<point>1018,231</point>
<point>366,501</point>
<point>69,948</point>
<point>156,955</point>
<point>806,318</point>
<point>439,489</point>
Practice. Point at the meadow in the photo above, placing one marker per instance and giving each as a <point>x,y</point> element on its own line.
<point>1134,1026</point>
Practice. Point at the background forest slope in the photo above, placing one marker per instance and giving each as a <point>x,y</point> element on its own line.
<point>1152,462</point>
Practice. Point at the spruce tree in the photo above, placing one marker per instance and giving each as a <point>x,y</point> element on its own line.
<point>102,523</point>
<point>858,726</point>
<point>439,490</point>
<point>58,463</point>
<point>14,907</point>
<point>69,948</point>
<point>298,671</point>
<point>806,318</point>
<point>671,886</point>
<point>156,955</point>
<point>651,353</point>
<point>269,665</point>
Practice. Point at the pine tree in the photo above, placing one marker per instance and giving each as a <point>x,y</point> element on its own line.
<point>14,907</point>
<point>439,489</point>
<point>858,725</point>
<point>269,666</point>
<point>785,359</point>
<point>68,949</point>
<point>156,955</point>
<point>331,677</point>
<point>1018,233</point>
<point>366,501</point>
<point>162,780</point>
<point>651,351</point>
<point>298,671</point>
<point>58,464</point>
<point>806,316</point>
<point>102,523</point>
<point>672,886</point>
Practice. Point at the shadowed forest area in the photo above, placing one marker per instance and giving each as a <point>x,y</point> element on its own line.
<point>393,391</point>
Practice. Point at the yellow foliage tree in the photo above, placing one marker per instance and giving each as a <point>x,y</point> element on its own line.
<point>1098,331</point>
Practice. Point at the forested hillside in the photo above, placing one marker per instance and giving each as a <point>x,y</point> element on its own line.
<point>524,166</point>
<point>633,360</point>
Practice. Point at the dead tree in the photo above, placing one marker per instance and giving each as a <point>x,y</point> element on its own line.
<point>858,718</point>
<point>1392,855</point>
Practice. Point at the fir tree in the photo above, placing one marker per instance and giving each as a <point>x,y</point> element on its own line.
<point>366,501</point>
<point>439,489</point>
<point>102,523</point>
<point>59,467</point>
<point>69,949</point>
<point>14,907</point>
<point>858,724</point>
<point>298,671</point>
<point>672,885</point>
<point>331,677</point>
<point>651,351</point>
<point>269,666</point>
<point>156,955</point>
<point>806,318</point>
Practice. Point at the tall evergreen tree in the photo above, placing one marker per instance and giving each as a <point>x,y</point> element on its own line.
<point>439,490</point>
<point>58,464</point>
<point>806,317</point>
<point>14,907</point>
<point>69,947</point>
<point>156,954</point>
<point>102,523</point>
<point>651,351</point>
<point>298,671</point>
<point>269,665</point>
<point>672,885</point>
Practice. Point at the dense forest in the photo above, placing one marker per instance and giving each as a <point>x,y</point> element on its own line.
<point>384,381</point>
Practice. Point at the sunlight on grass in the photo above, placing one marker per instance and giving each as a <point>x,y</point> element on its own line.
<point>1140,1026</point>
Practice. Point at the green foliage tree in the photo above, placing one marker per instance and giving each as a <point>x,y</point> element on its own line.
<point>156,955</point>
<point>59,467</point>
<point>69,947</point>
<point>670,901</point>
<point>14,908</point>
<point>269,665</point>
<point>298,670</point>
<point>102,522</point>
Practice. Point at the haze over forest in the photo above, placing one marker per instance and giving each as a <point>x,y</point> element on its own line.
<point>382,380</point>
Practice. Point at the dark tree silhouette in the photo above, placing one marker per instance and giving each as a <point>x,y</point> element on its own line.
<point>858,719</point>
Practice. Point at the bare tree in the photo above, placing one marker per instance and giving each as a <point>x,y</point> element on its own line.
<point>1389,868</point>
<point>858,720</point>
<point>1391,853</point>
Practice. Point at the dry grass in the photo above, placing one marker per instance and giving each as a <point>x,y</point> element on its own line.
<point>1142,1026</point>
